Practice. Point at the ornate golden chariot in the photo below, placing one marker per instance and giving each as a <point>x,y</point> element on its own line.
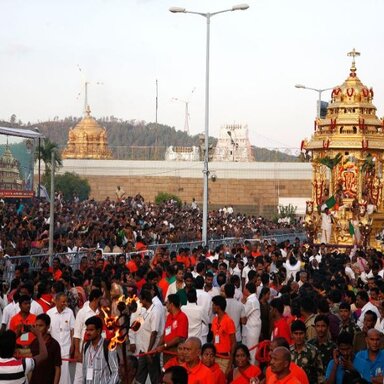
<point>347,153</point>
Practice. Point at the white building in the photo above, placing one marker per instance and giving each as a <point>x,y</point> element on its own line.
<point>233,144</point>
<point>182,153</point>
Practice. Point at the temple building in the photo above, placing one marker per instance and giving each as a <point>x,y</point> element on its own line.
<point>233,144</point>
<point>10,177</point>
<point>347,156</point>
<point>182,153</point>
<point>87,140</point>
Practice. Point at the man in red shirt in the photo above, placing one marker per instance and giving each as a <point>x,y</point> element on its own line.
<point>280,362</point>
<point>280,325</point>
<point>296,371</point>
<point>55,270</point>
<point>176,328</point>
<point>21,325</point>
<point>198,373</point>
<point>224,333</point>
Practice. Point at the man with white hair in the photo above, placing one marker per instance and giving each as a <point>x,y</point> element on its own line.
<point>62,325</point>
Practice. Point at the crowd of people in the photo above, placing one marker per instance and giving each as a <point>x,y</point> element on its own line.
<point>115,225</point>
<point>253,312</point>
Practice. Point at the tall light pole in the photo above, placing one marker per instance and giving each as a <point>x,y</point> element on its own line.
<point>319,91</point>
<point>208,15</point>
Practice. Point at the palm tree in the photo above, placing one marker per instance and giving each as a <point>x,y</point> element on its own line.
<point>44,153</point>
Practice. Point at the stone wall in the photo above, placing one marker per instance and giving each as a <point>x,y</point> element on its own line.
<point>249,187</point>
<point>253,196</point>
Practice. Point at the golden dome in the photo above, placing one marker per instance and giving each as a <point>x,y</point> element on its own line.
<point>351,117</point>
<point>89,125</point>
<point>87,140</point>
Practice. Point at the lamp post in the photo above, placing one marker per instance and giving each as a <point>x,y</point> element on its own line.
<point>208,15</point>
<point>319,91</point>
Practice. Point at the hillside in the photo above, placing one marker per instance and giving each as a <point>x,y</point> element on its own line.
<point>137,140</point>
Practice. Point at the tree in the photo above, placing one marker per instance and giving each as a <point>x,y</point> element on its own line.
<point>44,153</point>
<point>165,197</point>
<point>69,184</point>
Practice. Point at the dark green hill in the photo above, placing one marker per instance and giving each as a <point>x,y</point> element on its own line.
<point>138,140</point>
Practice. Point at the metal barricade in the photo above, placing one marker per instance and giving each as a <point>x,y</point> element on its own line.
<point>35,261</point>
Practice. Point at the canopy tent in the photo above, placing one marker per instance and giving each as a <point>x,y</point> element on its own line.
<point>20,132</point>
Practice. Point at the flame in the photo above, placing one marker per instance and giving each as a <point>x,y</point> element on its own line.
<point>112,323</point>
<point>127,300</point>
<point>118,338</point>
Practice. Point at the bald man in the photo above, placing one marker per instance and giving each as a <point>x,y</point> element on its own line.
<point>280,362</point>
<point>296,371</point>
<point>198,373</point>
<point>370,362</point>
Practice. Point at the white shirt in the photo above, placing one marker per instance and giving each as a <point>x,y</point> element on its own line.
<point>62,323</point>
<point>252,313</point>
<point>214,291</point>
<point>235,311</point>
<point>149,324</point>
<point>196,317</point>
<point>245,272</point>
<point>367,307</point>
<point>82,316</point>
<point>238,294</point>
<point>172,289</point>
<point>204,299</point>
<point>291,269</point>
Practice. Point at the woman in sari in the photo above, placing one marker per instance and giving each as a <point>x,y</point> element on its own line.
<point>244,372</point>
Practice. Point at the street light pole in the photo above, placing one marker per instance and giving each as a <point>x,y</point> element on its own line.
<point>240,7</point>
<point>319,91</point>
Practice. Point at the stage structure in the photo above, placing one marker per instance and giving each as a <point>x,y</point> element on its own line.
<point>347,155</point>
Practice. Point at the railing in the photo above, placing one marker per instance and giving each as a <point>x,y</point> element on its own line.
<point>35,262</point>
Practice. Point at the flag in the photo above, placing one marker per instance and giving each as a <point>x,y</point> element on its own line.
<point>351,229</point>
<point>330,202</point>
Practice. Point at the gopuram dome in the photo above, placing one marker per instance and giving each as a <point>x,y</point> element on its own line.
<point>10,177</point>
<point>347,155</point>
<point>87,140</point>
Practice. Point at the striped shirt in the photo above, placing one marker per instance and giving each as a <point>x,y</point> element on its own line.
<point>12,370</point>
<point>95,360</point>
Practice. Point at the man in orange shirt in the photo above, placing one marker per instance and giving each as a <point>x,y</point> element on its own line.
<point>296,371</point>
<point>198,373</point>
<point>280,325</point>
<point>224,333</point>
<point>56,271</point>
<point>21,325</point>
<point>280,363</point>
<point>134,264</point>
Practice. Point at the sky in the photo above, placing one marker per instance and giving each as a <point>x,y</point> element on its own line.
<point>123,46</point>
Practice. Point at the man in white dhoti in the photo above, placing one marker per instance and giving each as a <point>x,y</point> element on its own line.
<point>326,226</point>
<point>62,325</point>
<point>252,327</point>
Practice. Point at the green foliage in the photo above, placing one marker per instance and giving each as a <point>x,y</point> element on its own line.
<point>44,153</point>
<point>285,213</point>
<point>267,155</point>
<point>68,183</point>
<point>164,197</point>
<point>331,162</point>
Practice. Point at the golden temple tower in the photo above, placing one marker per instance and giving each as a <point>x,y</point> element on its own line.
<point>347,155</point>
<point>87,140</point>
